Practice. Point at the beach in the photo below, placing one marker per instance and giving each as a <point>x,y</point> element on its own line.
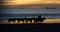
<point>46,21</point>
<point>52,20</point>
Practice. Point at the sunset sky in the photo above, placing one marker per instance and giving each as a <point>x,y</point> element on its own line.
<point>13,6</point>
<point>22,2</point>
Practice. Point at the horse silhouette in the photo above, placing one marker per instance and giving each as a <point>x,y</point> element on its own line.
<point>28,19</point>
<point>40,19</point>
<point>19,19</point>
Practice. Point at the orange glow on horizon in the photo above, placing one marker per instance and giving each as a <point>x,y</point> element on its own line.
<point>21,2</point>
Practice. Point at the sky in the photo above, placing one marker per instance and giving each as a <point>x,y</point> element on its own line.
<point>24,2</point>
<point>28,3</point>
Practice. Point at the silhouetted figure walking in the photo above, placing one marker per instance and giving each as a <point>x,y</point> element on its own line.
<point>40,19</point>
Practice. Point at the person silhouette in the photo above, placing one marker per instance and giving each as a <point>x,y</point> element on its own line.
<point>39,16</point>
<point>40,19</point>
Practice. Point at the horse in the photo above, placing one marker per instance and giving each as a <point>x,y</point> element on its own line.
<point>40,19</point>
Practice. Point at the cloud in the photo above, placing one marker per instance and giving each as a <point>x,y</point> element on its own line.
<point>17,2</point>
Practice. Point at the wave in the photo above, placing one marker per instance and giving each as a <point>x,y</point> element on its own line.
<point>29,15</point>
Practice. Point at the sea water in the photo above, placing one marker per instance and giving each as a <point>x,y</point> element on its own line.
<point>6,13</point>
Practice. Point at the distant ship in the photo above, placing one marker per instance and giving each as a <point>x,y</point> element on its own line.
<point>50,8</point>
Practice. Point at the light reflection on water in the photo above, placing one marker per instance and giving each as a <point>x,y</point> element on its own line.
<point>28,11</point>
<point>48,13</point>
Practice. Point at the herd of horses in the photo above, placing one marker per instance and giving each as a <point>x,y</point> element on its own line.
<point>39,18</point>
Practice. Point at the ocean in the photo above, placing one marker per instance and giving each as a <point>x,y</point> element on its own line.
<point>17,12</point>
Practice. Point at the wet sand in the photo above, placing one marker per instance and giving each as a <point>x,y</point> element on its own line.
<point>52,20</point>
<point>47,20</point>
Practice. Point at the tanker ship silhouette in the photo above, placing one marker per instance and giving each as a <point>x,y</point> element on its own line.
<point>50,8</point>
